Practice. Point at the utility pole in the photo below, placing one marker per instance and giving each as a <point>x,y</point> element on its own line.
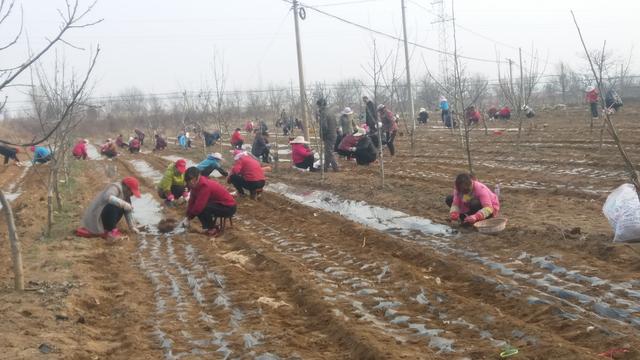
<point>303,97</point>
<point>521,81</point>
<point>406,58</point>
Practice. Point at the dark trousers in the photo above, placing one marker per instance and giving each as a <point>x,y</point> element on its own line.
<point>176,190</point>
<point>240,184</point>
<point>474,206</point>
<point>7,157</point>
<point>109,154</point>
<point>594,109</point>
<point>329,159</point>
<point>215,211</point>
<point>307,163</point>
<point>110,217</point>
<point>389,138</point>
<point>264,156</point>
<point>44,159</point>
<point>348,154</point>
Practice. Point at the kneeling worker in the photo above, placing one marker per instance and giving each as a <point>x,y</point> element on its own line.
<point>209,200</point>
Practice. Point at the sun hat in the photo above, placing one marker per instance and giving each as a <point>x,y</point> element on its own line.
<point>347,111</point>
<point>216,155</point>
<point>133,185</point>
<point>381,106</point>
<point>181,166</point>
<point>422,110</point>
<point>299,140</point>
<point>442,98</point>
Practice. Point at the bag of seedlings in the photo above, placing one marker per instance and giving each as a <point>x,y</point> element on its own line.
<point>622,210</point>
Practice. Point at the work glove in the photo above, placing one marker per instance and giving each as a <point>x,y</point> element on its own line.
<point>170,197</point>
<point>454,216</point>
<point>352,149</point>
<point>472,219</point>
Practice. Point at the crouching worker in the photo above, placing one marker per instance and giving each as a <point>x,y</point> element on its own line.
<point>41,155</point>
<point>301,154</point>
<point>246,173</point>
<point>105,211</point>
<point>80,150</point>
<point>211,163</point>
<point>209,200</point>
<point>172,185</point>
<point>472,201</point>
<point>365,151</point>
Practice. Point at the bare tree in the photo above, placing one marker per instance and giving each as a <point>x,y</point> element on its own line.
<point>633,174</point>
<point>71,17</point>
<point>59,103</point>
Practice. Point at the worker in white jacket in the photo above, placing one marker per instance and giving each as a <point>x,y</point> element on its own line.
<point>106,210</point>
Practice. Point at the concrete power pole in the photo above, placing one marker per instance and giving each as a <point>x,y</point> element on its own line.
<point>406,58</point>
<point>303,93</point>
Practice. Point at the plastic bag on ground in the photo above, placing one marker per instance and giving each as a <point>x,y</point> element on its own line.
<point>622,210</point>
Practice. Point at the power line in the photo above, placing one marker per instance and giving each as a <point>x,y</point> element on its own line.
<point>397,38</point>
<point>464,28</point>
<point>346,3</point>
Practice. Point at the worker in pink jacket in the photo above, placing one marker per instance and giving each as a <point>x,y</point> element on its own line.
<point>472,201</point>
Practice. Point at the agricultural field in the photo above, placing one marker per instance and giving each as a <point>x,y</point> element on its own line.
<point>341,267</point>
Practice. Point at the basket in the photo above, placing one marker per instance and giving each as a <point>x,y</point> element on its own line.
<point>491,226</point>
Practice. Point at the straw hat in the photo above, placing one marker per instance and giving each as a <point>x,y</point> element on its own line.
<point>299,140</point>
<point>347,111</point>
<point>422,110</point>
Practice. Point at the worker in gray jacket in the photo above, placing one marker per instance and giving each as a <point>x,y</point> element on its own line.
<point>106,210</point>
<point>328,133</point>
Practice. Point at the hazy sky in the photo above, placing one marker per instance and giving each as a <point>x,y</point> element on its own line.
<point>163,46</point>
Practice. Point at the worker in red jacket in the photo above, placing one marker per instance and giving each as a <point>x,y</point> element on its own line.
<point>209,200</point>
<point>236,139</point>
<point>246,173</point>
<point>301,154</point>
<point>591,97</point>
<point>80,149</point>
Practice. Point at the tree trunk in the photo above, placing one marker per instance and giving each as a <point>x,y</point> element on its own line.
<point>16,252</point>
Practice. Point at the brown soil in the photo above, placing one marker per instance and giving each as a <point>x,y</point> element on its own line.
<point>291,281</point>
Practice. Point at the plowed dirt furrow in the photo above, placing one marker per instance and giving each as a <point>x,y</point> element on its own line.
<point>210,301</point>
<point>523,294</point>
